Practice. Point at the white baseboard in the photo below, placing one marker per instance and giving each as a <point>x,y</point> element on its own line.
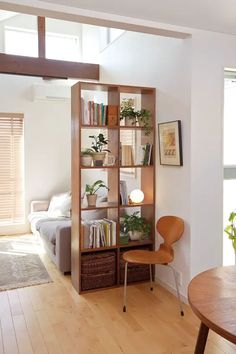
<point>172,290</point>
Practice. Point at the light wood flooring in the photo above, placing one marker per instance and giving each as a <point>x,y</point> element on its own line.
<point>53,318</point>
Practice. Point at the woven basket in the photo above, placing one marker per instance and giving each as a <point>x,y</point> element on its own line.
<point>98,263</point>
<point>90,281</point>
<point>98,270</point>
<point>136,272</point>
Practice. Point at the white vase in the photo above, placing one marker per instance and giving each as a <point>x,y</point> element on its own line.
<point>86,160</point>
<point>135,235</point>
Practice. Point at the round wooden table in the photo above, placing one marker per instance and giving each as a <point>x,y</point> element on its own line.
<point>212,297</point>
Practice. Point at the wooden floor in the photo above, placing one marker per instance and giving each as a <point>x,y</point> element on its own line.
<point>53,318</point>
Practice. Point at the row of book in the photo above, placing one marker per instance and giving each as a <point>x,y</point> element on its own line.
<point>143,155</point>
<point>98,113</point>
<point>98,233</point>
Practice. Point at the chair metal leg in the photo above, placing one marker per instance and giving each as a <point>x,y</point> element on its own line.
<point>177,289</point>
<point>125,286</point>
<point>151,286</point>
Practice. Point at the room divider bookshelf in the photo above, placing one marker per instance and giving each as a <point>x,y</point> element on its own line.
<point>135,175</point>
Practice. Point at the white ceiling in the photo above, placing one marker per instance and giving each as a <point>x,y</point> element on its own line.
<point>214,15</point>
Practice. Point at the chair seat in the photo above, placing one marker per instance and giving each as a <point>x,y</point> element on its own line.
<point>148,257</point>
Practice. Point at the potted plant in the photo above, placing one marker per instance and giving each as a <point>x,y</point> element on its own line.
<point>127,111</point>
<point>86,157</point>
<point>230,230</point>
<point>98,147</point>
<point>136,226</point>
<point>143,117</point>
<point>91,190</point>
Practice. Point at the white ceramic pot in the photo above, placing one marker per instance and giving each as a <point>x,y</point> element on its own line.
<point>92,199</point>
<point>86,160</point>
<point>130,121</point>
<point>135,235</point>
<point>98,158</point>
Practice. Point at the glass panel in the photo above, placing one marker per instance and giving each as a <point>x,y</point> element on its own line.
<point>20,35</point>
<point>230,122</point>
<point>229,205</point>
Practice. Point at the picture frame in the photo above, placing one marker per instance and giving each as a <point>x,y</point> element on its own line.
<point>170,143</point>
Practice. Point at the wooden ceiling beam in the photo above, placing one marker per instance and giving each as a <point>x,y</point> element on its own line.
<point>41,37</point>
<point>21,65</point>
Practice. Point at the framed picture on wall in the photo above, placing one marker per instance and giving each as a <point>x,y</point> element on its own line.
<point>170,143</point>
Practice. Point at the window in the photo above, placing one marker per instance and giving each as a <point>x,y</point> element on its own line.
<point>21,42</point>
<point>62,47</point>
<point>12,167</point>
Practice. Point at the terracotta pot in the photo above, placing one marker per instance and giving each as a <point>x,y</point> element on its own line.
<point>86,160</point>
<point>92,199</point>
<point>135,235</point>
<point>98,158</point>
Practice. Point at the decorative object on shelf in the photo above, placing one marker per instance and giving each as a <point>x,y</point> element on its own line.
<point>170,143</point>
<point>136,196</point>
<point>143,117</point>
<point>127,111</point>
<point>143,155</point>
<point>136,227</point>
<point>126,152</point>
<point>132,117</point>
<point>123,193</point>
<point>98,147</point>
<point>112,115</point>
<point>86,157</point>
<point>124,239</point>
<point>91,190</point>
<point>230,230</point>
<point>110,160</point>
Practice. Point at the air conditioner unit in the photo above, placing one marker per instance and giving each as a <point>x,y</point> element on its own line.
<point>51,92</point>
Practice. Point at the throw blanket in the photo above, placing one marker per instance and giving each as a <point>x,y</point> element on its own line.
<point>48,227</point>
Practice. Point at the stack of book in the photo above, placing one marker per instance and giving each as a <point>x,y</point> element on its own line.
<point>123,193</point>
<point>126,154</point>
<point>98,233</point>
<point>98,113</point>
<point>143,155</point>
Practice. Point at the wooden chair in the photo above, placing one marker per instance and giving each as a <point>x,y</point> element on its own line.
<point>171,229</point>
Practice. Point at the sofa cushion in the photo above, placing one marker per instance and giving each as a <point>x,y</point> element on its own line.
<point>60,205</point>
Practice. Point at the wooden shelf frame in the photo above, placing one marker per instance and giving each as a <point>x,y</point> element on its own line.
<point>115,209</point>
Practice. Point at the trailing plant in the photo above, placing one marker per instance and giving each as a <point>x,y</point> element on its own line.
<point>93,188</point>
<point>134,222</point>
<point>230,229</point>
<point>99,142</point>
<point>144,116</point>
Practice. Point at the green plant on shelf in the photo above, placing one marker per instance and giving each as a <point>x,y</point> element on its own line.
<point>99,142</point>
<point>135,226</point>
<point>93,188</point>
<point>131,117</point>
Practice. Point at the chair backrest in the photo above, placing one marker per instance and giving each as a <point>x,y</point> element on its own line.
<point>171,228</point>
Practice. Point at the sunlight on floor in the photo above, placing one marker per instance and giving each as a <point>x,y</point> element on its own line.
<point>23,245</point>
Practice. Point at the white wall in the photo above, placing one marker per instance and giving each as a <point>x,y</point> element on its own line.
<point>164,63</point>
<point>47,139</point>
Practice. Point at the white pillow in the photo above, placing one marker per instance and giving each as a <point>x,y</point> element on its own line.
<point>60,205</point>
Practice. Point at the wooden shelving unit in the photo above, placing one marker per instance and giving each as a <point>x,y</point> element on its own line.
<point>112,208</point>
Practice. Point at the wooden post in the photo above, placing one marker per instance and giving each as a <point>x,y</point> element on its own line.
<point>41,37</point>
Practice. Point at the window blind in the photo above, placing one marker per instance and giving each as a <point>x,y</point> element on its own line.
<point>11,168</point>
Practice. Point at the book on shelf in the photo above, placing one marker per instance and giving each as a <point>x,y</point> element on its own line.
<point>143,155</point>
<point>127,158</point>
<point>98,233</point>
<point>98,113</point>
<point>123,193</point>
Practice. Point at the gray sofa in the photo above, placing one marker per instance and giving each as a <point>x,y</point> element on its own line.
<point>55,233</point>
